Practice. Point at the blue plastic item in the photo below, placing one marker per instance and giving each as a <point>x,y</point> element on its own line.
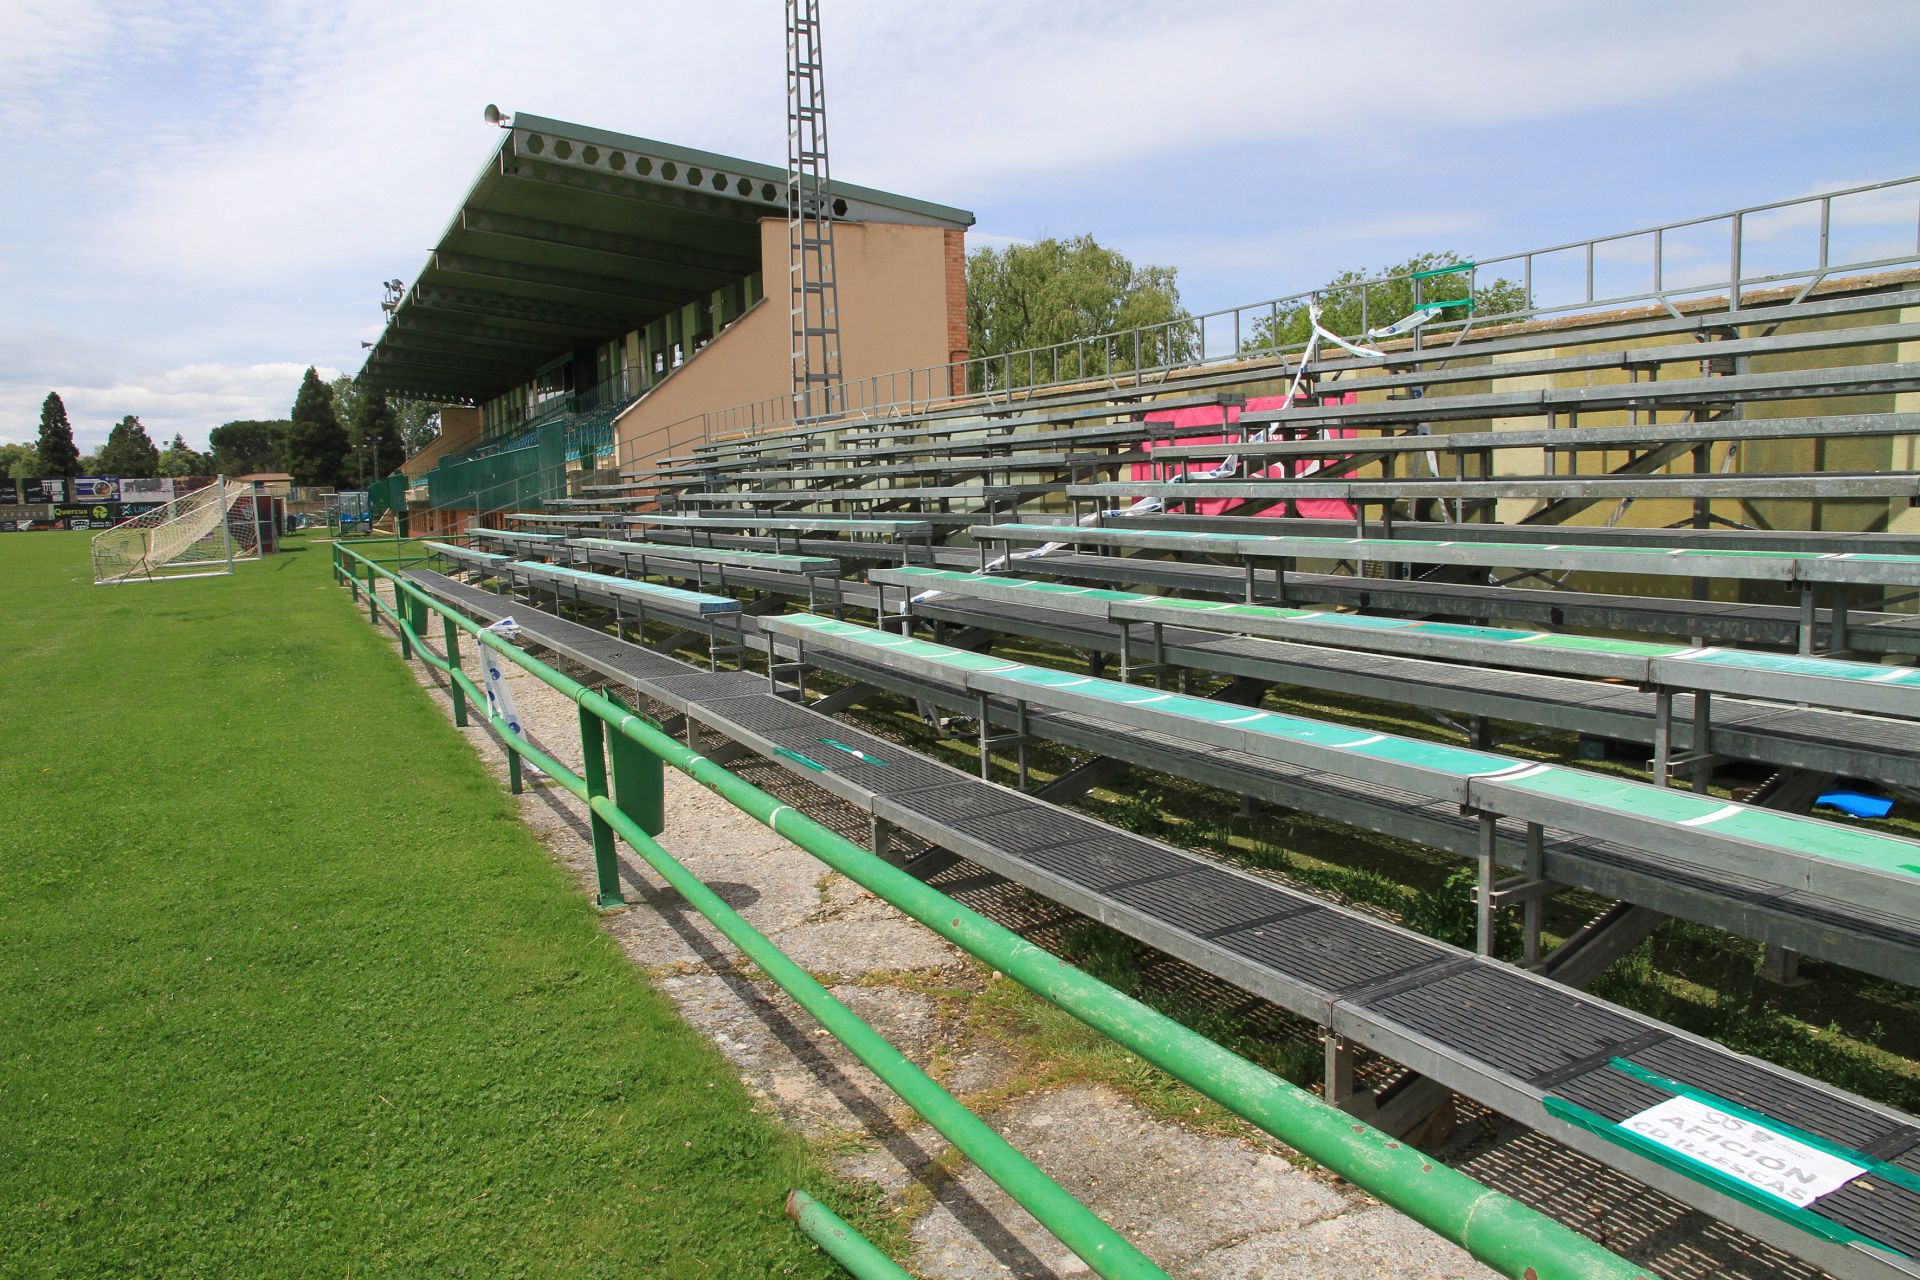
<point>1857,805</point>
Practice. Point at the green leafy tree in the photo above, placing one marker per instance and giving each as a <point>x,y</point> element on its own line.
<point>419,425</point>
<point>417,421</point>
<point>1349,306</point>
<point>1066,292</point>
<point>317,444</point>
<point>21,462</point>
<point>181,460</point>
<point>378,448</point>
<point>130,451</point>
<point>249,445</point>
<point>58,454</point>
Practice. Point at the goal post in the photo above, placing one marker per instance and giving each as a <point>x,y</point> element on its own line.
<point>195,535</point>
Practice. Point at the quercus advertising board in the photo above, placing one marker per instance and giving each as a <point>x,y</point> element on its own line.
<point>101,512</point>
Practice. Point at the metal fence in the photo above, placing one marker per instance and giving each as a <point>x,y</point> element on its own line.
<point>1804,239</point>
<point>620,783</point>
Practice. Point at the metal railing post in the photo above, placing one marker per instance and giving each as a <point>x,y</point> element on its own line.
<point>639,780</point>
<point>452,634</point>
<point>606,862</point>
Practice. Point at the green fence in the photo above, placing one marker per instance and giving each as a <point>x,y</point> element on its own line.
<point>387,495</point>
<point>525,476</point>
<point>1502,1232</point>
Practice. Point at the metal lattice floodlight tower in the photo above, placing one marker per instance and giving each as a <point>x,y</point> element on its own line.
<point>813,298</point>
<point>196,535</point>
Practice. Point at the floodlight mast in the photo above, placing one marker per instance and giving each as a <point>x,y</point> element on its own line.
<point>813,298</point>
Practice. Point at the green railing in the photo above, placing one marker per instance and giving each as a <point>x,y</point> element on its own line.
<point>1495,1228</point>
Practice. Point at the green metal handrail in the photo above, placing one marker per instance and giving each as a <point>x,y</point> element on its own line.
<point>843,1244</point>
<point>1101,1247</point>
<point>1500,1231</point>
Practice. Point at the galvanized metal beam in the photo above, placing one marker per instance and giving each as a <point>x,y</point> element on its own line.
<point>698,269</point>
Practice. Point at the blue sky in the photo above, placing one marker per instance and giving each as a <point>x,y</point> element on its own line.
<point>203,199</point>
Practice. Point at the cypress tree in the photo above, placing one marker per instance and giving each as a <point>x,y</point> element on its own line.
<point>58,454</point>
<point>317,443</point>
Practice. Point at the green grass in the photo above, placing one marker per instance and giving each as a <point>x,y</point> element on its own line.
<point>287,988</point>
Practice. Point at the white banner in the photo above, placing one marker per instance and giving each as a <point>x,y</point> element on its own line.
<point>500,698</point>
<point>1783,1167</point>
<point>154,490</point>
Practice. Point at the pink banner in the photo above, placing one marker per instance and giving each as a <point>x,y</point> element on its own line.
<point>1307,508</point>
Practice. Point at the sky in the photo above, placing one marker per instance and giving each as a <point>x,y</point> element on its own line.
<point>202,199</point>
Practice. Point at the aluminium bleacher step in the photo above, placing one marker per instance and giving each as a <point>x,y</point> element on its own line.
<point>1552,1057</point>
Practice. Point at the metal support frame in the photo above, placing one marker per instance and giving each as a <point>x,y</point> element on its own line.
<point>990,741</point>
<point>1439,1066</point>
<point>813,295</point>
<point>1593,948</point>
<point>1696,764</point>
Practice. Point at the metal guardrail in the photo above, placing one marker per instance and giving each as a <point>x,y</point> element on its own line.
<point>1802,238</point>
<point>1498,1230</point>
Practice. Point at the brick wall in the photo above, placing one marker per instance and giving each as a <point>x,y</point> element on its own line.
<point>956,249</point>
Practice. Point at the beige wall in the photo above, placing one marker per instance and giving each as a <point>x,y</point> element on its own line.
<point>459,431</point>
<point>893,282</point>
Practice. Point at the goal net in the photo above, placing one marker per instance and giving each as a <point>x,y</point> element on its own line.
<point>197,534</point>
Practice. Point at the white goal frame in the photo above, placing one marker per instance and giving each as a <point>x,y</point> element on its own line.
<point>196,535</point>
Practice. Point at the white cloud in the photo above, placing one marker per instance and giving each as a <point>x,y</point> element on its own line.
<point>977,239</point>
<point>216,189</point>
<point>1010,91</point>
<point>98,392</point>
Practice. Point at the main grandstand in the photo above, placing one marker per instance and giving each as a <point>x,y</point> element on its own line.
<point>1599,596</point>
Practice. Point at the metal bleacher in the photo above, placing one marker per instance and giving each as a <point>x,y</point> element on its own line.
<point>1803,738</point>
<point>1536,1049</point>
<point>1783,658</point>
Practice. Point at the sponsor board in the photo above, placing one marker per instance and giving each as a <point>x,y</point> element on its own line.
<point>49,490</point>
<point>1781,1166</point>
<point>95,489</point>
<point>154,490</point>
<point>101,513</point>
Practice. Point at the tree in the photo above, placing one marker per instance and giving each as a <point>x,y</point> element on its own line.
<point>249,445</point>
<point>1349,306</point>
<point>181,460</point>
<point>419,425</point>
<point>21,462</point>
<point>1064,292</point>
<point>378,448</point>
<point>58,453</point>
<point>417,422</point>
<point>317,443</point>
<point>129,451</point>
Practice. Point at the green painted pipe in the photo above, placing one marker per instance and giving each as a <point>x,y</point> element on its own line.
<point>843,1244</point>
<point>1498,1230</point>
<point>1102,1248</point>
